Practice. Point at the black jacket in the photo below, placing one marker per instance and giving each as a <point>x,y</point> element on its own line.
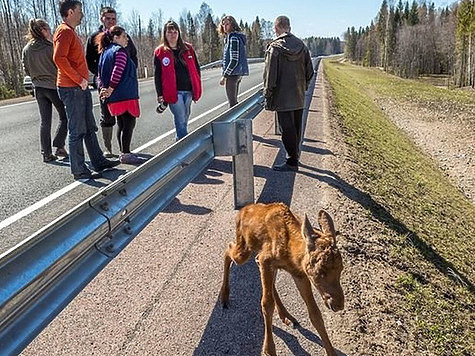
<point>287,73</point>
<point>92,52</point>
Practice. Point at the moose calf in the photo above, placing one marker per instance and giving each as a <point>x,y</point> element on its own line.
<point>282,241</point>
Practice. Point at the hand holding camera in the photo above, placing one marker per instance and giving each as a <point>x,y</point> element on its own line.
<point>162,105</point>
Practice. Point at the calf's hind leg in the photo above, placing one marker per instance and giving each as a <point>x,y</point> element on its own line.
<point>284,315</point>
<point>239,253</point>
<point>267,305</point>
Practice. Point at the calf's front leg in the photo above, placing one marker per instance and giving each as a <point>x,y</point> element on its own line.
<point>305,289</point>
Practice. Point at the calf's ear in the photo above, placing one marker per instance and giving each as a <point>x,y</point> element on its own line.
<point>308,233</point>
<point>326,223</point>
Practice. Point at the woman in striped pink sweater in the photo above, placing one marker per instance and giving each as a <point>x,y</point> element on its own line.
<point>117,79</point>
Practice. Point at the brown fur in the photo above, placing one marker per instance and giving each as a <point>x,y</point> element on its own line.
<point>283,241</point>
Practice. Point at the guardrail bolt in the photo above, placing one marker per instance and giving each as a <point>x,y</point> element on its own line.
<point>128,230</point>
<point>123,192</point>
<point>105,206</point>
<point>110,247</point>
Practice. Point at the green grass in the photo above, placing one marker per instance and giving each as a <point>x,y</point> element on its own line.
<point>412,197</point>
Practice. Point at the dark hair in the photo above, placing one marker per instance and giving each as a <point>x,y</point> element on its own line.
<point>181,45</point>
<point>107,10</point>
<point>35,26</point>
<point>282,22</point>
<point>234,25</point>
<point>66,5</point>
<point>106,37</point>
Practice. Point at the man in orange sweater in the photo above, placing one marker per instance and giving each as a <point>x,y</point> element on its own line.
<point>73,90</point>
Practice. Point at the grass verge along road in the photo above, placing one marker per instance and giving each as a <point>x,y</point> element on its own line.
<point>429,223</point>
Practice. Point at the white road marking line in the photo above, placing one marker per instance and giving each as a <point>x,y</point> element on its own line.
<point>37,205</point>
<point>49,199</point>
<point>17,104</point>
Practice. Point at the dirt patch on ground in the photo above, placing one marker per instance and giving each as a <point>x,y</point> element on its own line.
<point>444,132</point>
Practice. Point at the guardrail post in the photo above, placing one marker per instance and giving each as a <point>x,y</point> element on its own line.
<point>277,130</point>
<point>235,139</point>
<point>243,166</point>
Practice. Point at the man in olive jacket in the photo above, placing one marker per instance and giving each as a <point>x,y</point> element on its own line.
<point>287,73</point>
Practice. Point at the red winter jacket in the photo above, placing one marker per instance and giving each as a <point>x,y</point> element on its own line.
<point>168,79</point>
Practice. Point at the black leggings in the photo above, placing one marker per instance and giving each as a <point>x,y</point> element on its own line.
<point>232,89</point>
<point>46,98</point>
<point>125,124</point>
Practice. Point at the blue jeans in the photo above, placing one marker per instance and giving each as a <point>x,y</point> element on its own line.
<point>181,113</point>
<point>82,129</point>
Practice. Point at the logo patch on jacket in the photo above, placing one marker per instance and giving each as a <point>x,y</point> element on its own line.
<point>166,61</point>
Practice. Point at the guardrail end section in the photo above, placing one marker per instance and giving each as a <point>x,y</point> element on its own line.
<point>231,138</point>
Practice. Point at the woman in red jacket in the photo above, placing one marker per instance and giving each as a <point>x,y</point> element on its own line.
<point>177,76</point>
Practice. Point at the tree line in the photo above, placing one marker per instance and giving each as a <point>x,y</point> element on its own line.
<point>199,28</point>
<point>417,39</point>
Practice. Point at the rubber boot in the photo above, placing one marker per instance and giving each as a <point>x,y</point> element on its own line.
<point>107,133</point>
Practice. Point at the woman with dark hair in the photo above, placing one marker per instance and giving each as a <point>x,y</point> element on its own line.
<point>119,88</point>
<point>234,57</point>
<point>37,58</point>
<point>177,76</point>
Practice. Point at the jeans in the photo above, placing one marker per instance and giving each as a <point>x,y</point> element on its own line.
<point>291,126</point>
<point>181,113</point>
<point>46,98</point>
<point>82,129</point>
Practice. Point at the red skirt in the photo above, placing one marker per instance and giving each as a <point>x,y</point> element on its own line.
<point>120,107</point>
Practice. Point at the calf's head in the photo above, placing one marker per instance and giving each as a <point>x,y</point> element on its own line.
<point>323,263</point>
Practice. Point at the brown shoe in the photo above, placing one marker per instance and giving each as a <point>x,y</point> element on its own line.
<point>49,158</point>
<point>61,152</point>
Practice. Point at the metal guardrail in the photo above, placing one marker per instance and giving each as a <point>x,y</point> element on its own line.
<point>218,63</point>
<point>41,275</point>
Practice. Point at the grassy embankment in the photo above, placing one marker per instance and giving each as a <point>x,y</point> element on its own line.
<point>435,251</point>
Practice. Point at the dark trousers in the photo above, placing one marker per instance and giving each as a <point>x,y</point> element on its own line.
<point>107,120</point>
<point>291,125</point>
<point>46,98</point>
<point>232,89</point>
<point>125,125</point>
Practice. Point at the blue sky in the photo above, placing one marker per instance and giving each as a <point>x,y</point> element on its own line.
<point>328,18</point>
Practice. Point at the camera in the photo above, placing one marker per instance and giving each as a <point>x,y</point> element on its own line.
<point>161,107</point>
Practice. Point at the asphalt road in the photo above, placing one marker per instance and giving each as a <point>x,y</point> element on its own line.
<point>33,193</point>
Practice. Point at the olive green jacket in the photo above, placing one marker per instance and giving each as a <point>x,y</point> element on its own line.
<point>37,58</point>
<point>287,73</point>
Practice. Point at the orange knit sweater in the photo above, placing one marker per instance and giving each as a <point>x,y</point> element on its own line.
<point>69,57</point>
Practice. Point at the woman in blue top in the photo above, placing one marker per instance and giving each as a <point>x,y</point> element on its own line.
<point>234,57</point>
<point>119,88</point>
